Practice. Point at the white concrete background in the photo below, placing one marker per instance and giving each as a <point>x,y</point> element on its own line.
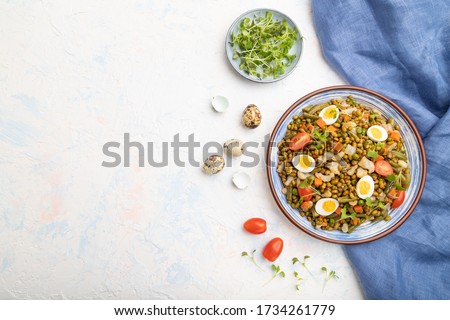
<point>74,75</point>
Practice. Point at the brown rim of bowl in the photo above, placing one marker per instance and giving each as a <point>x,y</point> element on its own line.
<point>416,133</point>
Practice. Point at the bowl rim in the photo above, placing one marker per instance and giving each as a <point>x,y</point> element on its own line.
<point>408,120</point>
<point>248,77</point>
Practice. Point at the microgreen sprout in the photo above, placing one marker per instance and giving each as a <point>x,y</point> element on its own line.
<point>252,258</point>
<point>299,280</point>
<point>276,272</point>
<point>344,214</point>
<point>331,275</point>
<point>372,154</point>
<point>303,263</point>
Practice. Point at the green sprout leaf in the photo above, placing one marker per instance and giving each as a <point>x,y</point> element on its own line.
<point>307,182</point>
<point>303,263</point>
<point>372,154</point>
<point>344,214</point>
<point>276,270</point>
<point>299,279</point>
<point>328,276</point>
<point>391,178</point>
<point>252,258</point>
<point>320,136</point>
<point>399,187</point>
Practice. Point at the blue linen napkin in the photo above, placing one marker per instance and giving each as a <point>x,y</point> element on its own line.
<point>402,50</point>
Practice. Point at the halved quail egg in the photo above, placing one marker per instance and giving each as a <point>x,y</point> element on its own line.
<point>377,133</point>
<point>365,187</point>
<point>326,206</point>
<point>304,163</point>
<point>329,114</point>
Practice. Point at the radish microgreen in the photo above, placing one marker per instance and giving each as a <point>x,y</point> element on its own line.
<point>303,263</point>
<point>276,272</point>
<point>331,275</point>
<point>252,258</point>
<point>299,280</point>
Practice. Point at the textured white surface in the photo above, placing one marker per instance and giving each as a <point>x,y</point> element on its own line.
<point>73,77</point>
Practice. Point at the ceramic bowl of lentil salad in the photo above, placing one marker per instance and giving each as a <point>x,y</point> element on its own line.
<point>346,165</point>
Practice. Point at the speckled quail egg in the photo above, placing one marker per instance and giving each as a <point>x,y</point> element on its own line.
<point>234,147</point>
<point>329,114</point>
<point>326,206</point>
<point>365,187</point>
<point>213,164</point>
<point>251,118</point>
<point>377,133</point>
<point>304,163</point>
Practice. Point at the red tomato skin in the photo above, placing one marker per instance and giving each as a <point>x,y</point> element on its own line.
<point>399,200</point>
<point>273,249</point>
<point>306,193</point>
<point>383,168</point>
<point>255,225</point>
<point>299,141</point>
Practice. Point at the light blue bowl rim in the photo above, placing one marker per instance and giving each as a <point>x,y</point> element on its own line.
<point>272,147</point>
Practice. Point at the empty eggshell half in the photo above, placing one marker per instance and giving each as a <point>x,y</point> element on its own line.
<point>220,103</point>
<point>241,180</point>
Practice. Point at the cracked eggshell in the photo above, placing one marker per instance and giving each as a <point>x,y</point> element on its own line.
<point>213,164</point>
<point>241,180</point>
<point>220,103</point>
<point>234,147</point>
<point>251,118</point>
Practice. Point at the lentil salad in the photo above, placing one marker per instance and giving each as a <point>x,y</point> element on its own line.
<point>343,164</point>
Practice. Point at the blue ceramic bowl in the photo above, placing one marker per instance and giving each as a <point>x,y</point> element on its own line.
<point>414,148</point>
<point>276,15</point>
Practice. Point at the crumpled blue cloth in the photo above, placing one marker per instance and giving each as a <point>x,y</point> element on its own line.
<point>402,50</point>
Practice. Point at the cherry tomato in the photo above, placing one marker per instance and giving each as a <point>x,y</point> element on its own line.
<point>399,200</point>
<point>300,140</point>
<point>383,168</point>
<point>306,193</point>
<point>273,249</point>
<point>255,225</point>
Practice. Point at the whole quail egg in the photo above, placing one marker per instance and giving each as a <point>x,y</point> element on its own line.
<point>234,147</point>
<point>213,164</point>
<point>365,187</point>
<point>251,118</point>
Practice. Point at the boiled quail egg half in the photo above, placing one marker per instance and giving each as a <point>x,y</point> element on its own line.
<point>329,114</point>
<point>326,206</point>
<point>365,187</point>
<point>377,133</point>
<point>304,163</point>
